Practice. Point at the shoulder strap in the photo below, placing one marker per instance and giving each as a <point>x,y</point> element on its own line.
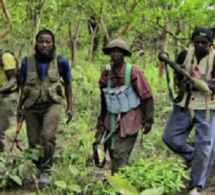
<point>108,81</point>
<point>213,70</point>
<point>31,64</point>
<point>184,56</point>
<point>128,74</point>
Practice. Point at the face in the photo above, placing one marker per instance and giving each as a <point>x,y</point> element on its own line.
<point>44,44</point>
<point>201,44</point>
<point>117,55</point>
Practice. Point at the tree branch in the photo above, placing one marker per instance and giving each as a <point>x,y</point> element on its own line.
<point>125,30</point>
<point>9,20</point>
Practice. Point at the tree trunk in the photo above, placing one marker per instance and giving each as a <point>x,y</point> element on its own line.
<point>164,44</point>
<point>9,20</point>
<point>34,13</point>
<point>91,49</point>
<point>126,28</point>
<point>38,19</point>
<point>73,40</point>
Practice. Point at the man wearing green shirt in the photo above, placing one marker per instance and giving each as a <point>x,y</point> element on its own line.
<point>8,91</point>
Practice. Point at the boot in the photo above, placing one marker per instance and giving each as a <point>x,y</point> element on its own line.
<point>44,180</point>
<point>194,191</point>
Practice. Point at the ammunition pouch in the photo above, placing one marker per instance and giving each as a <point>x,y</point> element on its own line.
<point>121,99</point>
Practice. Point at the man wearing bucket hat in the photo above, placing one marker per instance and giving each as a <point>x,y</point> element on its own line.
<point>200,112</point>
<point>126,104</point>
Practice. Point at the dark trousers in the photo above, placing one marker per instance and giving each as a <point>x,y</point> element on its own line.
<point>42,122</point>
<point>122,150</point>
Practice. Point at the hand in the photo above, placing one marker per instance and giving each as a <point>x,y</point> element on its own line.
<point>69,114</point>
<point>147,128</point>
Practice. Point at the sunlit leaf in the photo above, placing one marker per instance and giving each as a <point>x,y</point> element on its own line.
<point>16,178</point>
<point>73,170</point>
<point>22,170</point>
<point>156,191</point>
<point>75,188</point>
<point>121,186</point>
<point>60,184</point>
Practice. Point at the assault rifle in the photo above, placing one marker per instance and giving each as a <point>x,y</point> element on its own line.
<point>18,128</point>
<point>200,84</point>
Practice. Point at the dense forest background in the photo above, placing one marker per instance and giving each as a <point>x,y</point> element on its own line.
<point>82,28</point>
<point>149,25</point>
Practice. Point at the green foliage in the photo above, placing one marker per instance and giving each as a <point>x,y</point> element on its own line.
<point>15,169</point>
<point>147,21</point>
<point>154,173</point>
<point>85,84</point>
<point>69,173</point>
<point>123,187</point>
<point>67,186</point>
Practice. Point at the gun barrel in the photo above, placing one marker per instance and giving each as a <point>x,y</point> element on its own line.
<point>164,58</point>
<point>19,124</point>
<point>108,137</point>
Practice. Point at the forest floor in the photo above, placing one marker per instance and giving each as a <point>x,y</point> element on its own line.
<point>98,174</point>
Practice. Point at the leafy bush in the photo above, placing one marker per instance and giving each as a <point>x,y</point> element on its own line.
<point>16,169</point>
<point>149,173</point>
<point>125,188</point>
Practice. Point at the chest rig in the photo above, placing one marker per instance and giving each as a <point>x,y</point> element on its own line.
<point>37,91</point>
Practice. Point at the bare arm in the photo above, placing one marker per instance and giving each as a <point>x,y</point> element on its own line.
<point>147,114</point>
<point>11,76</point>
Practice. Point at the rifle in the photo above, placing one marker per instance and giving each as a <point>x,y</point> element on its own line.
<point>96,156</point>
<point>98,137</point>
<point>18,128</point>
<point>108,136</point>
<point>198,83</point>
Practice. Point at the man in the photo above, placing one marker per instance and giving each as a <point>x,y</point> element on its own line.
<point>8,91</point>
<point>126,104</point>
<point>195,109</point>
<point>42,95</point>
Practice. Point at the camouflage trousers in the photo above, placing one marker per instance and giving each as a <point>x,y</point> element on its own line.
<point>7,105</point>
<point>123,148</point>
<point>42,123</point>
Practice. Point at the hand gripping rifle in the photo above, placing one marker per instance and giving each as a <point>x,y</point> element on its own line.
<point>200,84</point>
<point>18,128</point>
